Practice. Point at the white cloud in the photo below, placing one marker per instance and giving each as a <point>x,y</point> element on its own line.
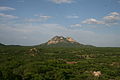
<point>45,17</point>
<point>75,17</point>
<point>7,16</point>
<point>76,25</point>
<point>92,21</point>
<point>111,19</point>
<point>112,16</point>
<point>39,18</point>
<point>33,20</point>
<point>114,13</point>
<point>62,1</point>
<point>5,8</point>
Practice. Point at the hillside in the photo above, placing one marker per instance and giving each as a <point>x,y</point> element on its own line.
<point>2,44</point>
<point>73,62</point>
<point>60,41</point>
<point>45,63</point>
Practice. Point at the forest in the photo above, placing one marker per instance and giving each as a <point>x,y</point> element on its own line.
<point>59,63</point>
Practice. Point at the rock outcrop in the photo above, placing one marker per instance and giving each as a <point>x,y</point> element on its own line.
<point>59,39</point>
<point>70,39</point>
<point>97,73</point>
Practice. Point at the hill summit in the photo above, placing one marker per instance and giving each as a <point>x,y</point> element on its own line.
<point>60,41</point>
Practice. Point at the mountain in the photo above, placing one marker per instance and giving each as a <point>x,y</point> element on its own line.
<point>60,41</point>
<point>2,44</point>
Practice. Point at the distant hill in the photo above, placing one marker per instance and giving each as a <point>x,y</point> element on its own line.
<point>2,44</point>
<point>8,45</point>
<point>60,41</point>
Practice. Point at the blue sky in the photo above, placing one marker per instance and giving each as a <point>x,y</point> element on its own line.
<point>32,22</point>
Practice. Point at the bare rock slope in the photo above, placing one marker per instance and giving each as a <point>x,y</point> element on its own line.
<point>60,41</point>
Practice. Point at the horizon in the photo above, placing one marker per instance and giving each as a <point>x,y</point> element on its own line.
<point>90,22</point>
<point>50,39</point>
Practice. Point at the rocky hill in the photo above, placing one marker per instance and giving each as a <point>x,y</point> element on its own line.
<point>60,41</point>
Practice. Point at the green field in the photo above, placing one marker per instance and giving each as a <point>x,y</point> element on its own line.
<point>58,63</point>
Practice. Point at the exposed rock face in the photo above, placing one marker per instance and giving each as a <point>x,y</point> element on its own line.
<point>97,73</point>
<point>70,39</point>
<point>33,51</point>
<point>58,39</point>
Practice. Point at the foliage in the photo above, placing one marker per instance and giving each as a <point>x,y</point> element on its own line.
<point>50,63</point>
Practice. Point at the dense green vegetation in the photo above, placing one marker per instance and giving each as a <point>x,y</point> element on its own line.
<point>40,63</point>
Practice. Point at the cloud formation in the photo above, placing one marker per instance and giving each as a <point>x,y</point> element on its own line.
<point>39,18</point>
<point>2,15</point>
<point>76,25</point>
<point>5,8</point>
<point>45,17</point>
<point>62,1</point>
<point>111,19</point>
<point>92,21</point>
<point>72,17</point>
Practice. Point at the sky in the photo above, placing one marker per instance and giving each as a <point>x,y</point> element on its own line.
<point>32,22</point>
